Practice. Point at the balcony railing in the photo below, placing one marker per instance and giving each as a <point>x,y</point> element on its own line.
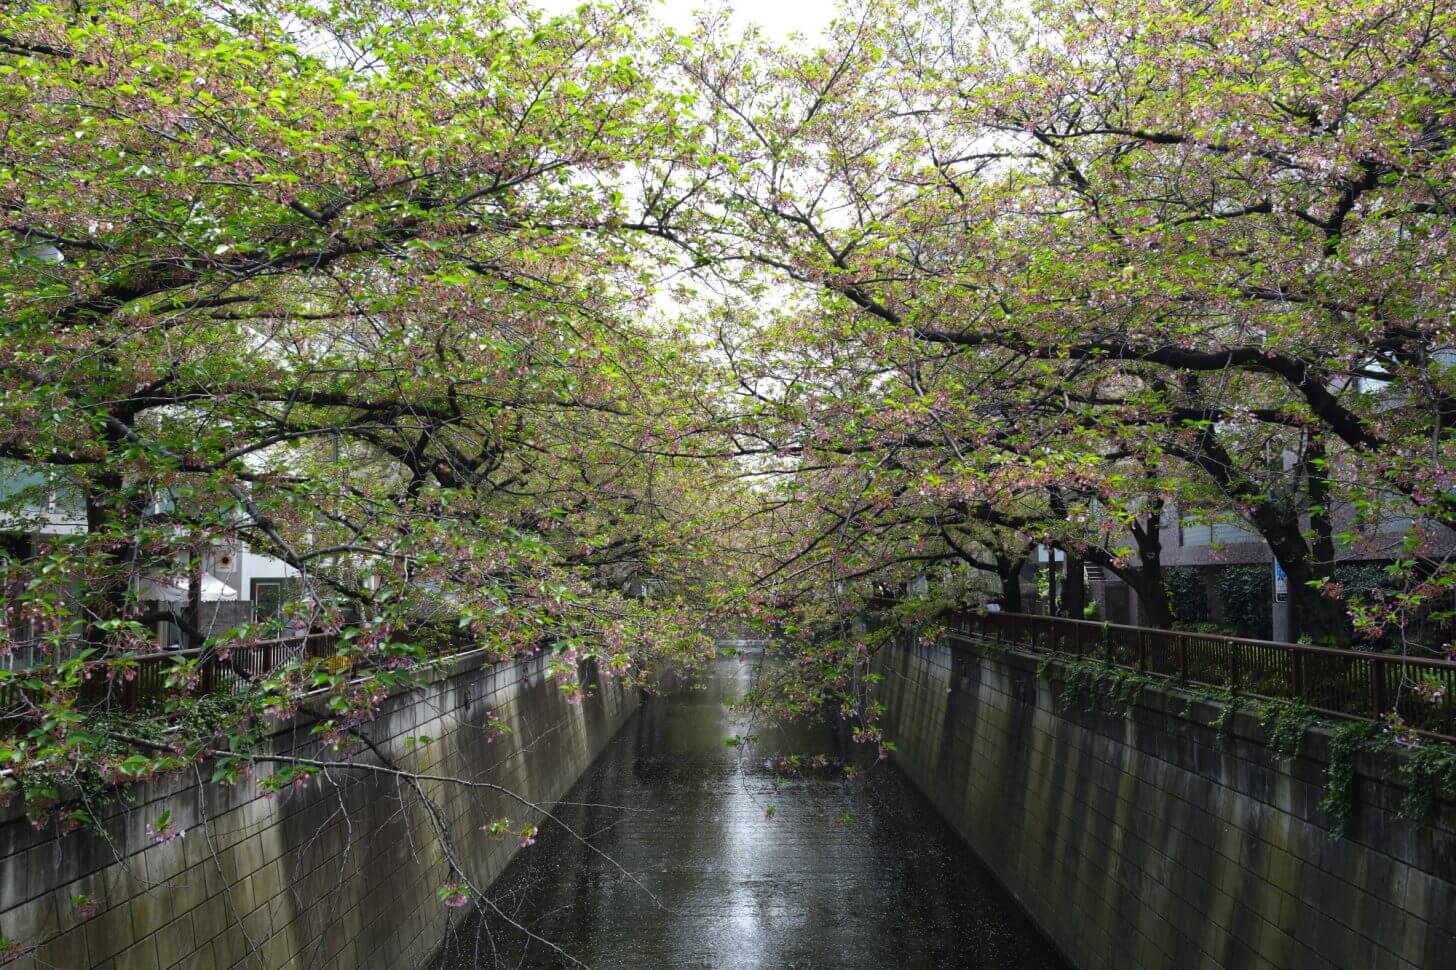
<point>1348,684</point>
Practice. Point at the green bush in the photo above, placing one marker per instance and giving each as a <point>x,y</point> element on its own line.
<point>1363,578</point>
<point>1247,594</point>
<point>1371,584</point>
<point>1186,596</point>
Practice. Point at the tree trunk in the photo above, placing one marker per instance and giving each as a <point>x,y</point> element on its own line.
<point>106,512</point>
<point>1074,589</point>
<point>1154,598</point>
<point>1009,569</point>
<point>1146,579</point>
<point>192,640</point>
<point>1324,619</point>
<point>1311,613</point>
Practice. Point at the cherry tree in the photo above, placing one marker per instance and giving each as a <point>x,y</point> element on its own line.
<point>1099,256</point>
<point>360,290</point>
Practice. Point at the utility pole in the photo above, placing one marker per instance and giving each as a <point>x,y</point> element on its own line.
<point>1051,582</point>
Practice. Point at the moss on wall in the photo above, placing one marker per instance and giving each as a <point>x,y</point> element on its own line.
<point>1136,837</point>
<point>342,873</point>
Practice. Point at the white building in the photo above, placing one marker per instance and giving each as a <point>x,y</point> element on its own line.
<point>237,585</point>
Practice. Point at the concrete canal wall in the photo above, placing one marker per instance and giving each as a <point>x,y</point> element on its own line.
<point>1145,839</point>
<point>340,874</point>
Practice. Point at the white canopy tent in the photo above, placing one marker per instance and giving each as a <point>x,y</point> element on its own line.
<point>174,590</point>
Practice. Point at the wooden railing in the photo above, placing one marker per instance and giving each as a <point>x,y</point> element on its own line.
<point>1337,683</point>
<point>220,671</point>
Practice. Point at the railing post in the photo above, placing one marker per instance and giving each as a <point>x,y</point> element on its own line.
<point>1234,667</point>
<point>1077,640</point>
<point>1142,651</point>
<point>1296,674</point>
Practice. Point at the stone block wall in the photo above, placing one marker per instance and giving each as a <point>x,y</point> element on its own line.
<point>1146,840</point>
<point>340,874</point>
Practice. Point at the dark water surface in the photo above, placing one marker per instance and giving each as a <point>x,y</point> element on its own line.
<point>742,887</point>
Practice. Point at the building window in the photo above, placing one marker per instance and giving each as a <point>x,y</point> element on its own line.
<point>269,598</point>
<point>1196,533</point>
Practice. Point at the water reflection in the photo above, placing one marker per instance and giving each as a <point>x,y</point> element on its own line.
<point>752,869</point>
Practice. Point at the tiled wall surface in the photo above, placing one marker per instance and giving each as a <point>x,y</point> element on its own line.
<point>1144,840</point>
<point>340,874</point>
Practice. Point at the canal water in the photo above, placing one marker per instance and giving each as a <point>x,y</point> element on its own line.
<point>753,864</point>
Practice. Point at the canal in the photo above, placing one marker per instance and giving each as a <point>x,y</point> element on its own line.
<point>743,862</point>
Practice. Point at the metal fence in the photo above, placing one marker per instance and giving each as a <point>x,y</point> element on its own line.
<point>1338,683</point>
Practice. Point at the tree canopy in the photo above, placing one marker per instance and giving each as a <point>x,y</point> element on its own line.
<point>1060,273</point>
<point>476,317</point>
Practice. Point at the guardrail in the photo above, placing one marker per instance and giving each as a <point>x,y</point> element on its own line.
<point>1350,684</point>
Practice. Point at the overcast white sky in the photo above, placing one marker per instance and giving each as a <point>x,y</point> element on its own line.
<point>778,17</point>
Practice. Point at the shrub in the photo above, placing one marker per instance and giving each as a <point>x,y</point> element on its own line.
<point>1247,594</point>
<point>1186,596</point>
